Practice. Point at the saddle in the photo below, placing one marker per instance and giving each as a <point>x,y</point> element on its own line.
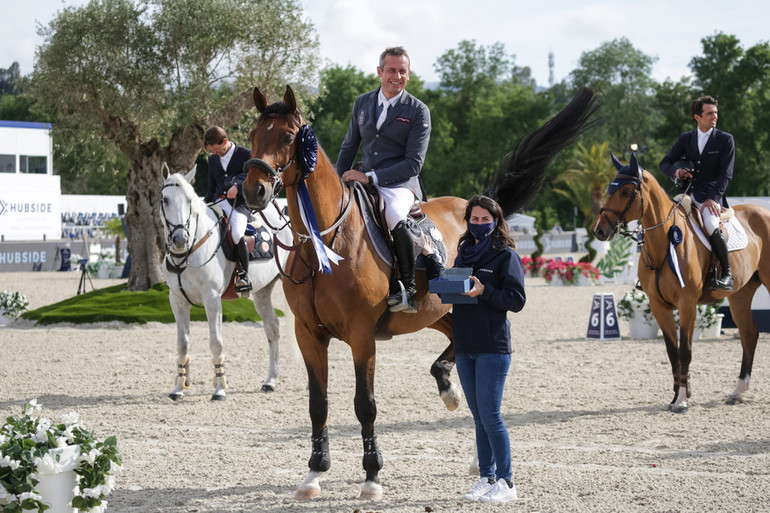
<point>372,209</point>
<point>259,242</point>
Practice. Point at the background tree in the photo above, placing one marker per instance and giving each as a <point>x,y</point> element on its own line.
<point>740,80</point>
<point>620,75</point>
<point>584,185</point>
<point>148,79</point>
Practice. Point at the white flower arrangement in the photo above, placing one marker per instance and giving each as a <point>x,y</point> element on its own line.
<point>13,304</point>
<point>26,443</point>
<point>634,300</point>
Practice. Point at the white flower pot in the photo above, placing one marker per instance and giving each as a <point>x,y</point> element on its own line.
<point>713,331</point>
<point>104,272</point>
<point>6,319</point>
<point>556,282</point>
<point>638,327</point>
<point>116,272</point>
<point>58,490</point>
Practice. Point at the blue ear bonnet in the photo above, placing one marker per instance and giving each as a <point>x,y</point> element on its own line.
<point>630,173</point>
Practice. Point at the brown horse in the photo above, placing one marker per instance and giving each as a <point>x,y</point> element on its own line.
<point>349,303</point>
<point>637,195</point>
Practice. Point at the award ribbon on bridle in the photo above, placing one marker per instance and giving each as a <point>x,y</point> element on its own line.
<point>674,239</point>
<point>308,156</point>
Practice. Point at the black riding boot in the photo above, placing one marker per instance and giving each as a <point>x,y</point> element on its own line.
<point>403,246</point>
<point>242,280</point>
<point>719,247</point>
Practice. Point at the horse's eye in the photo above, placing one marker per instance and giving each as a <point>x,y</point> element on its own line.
<point>289,139</point>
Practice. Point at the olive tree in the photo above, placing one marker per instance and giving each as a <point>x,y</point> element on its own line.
<point>147,77</point>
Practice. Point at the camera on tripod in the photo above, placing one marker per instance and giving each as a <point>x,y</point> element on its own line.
<point>83,263</point>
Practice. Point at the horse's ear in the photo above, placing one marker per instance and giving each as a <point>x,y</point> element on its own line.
<point>164,171</point>
<point>635,167</point>
<point>190,176</point>
<point>615,161</point>
<point>259,100</point>
<point>289,100</point>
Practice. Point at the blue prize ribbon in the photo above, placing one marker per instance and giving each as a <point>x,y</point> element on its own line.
<point>308,156</point>
<point>674,239</point>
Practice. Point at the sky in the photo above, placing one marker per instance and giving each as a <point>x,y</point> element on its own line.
<point>354,32</point>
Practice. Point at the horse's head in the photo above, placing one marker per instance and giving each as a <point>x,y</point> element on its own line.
<point>177,206</point>
<point>274,144</point>
<point>624,201</point>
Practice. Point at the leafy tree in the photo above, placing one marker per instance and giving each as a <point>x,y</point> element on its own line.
<point>143,78</point>
<point>740,80</point>
<point>584,184</point>
<point>620,74</point>
<point>330,109</point>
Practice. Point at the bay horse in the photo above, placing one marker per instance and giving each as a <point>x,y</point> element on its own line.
<point>349,303</point>
<point>639,196</point>
<point>197,271</point>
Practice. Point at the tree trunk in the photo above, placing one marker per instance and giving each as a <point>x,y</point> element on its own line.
<point>146,238</point>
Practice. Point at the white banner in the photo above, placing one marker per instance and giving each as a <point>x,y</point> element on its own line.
<point>30,207</point>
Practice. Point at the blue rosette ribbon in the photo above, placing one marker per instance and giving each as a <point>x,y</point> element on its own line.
<point>674,239</point>
<point>308,157</point>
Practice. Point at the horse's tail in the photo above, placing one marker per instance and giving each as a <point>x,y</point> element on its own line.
<point>521,173</point>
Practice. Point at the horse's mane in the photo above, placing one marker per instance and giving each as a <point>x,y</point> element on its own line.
<point>521,173</point>
<point>197,205</point>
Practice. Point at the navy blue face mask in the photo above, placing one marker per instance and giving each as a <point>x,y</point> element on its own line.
<point>482,231</point>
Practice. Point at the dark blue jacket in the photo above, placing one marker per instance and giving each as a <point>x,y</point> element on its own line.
<point>713,167</point>
<point>483,327</point>
<point>219,178</point>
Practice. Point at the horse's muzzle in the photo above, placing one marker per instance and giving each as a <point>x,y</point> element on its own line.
<point>258,193</point>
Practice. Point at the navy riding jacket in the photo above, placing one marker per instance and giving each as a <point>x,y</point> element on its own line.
<point>483,327</point>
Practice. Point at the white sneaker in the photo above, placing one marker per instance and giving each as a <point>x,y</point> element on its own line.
<point>500,492</point>
<point>481,487</point>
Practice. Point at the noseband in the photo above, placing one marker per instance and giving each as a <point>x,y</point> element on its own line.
<point>171,228</point>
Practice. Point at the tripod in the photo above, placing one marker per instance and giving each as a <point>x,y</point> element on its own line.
<point>83,275</point>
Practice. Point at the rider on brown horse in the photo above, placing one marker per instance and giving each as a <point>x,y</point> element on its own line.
<point>393,129</point>
<point>711,153</point>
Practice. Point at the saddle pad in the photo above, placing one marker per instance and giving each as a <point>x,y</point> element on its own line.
<point>381,244</point>
<point>736,235</point>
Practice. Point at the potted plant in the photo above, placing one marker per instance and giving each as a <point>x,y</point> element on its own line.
<point>60,465</point>
<point>557,272</point>
<point>12,305</point>
<point>634,307</point>
<point>708,321</point>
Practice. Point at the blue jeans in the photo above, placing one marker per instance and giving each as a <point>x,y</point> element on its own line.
<point>482,376</point>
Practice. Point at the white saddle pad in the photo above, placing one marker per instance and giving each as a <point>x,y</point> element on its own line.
<point>736,235</point>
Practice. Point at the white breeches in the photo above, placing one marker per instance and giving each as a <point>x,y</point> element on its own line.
<point>398,203</point>
<point>710,221</point>
<point>238,219</point>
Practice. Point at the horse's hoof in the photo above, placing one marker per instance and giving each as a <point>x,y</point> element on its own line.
<point>218,397</point>
<point>451,397</point>
<point>305,493</point>
<point>310,488</point>
<point>175,396</point>
<point>734,399</point>
<point>371,491</point>
<point>678,408</point>
<point>268,388</point>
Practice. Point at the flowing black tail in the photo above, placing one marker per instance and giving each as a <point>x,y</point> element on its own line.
<point>521,173</point>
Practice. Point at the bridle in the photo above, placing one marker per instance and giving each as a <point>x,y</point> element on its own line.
<point>275,178</point>
<point>182,263</point>
<point>621,223</point>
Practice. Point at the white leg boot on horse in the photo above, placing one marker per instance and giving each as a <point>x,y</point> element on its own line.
<point>182,381</point>
<point>220,382</point>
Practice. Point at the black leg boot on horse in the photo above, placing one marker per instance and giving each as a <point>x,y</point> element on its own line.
<point>719,247</point>
<point>242,280</point>
<point>404,300</point>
